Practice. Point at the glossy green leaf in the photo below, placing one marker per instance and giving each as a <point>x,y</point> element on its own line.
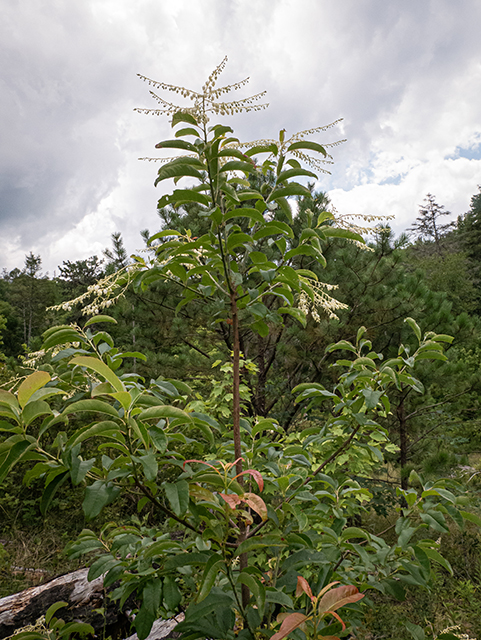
<point>164,411</point>
<point>97,496</point>
<point>176,144</point>
<point>101,368</point>
<point>51,490</point>
<point>178,496</point>
<point>35,409</point>
<point>15,453</point>
<point>31,384</point>
<point>99,319</point>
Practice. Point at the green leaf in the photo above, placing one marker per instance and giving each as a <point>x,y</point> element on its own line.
<point>335,232</point>
<point>101,565</point>
<point>260,327</point>
<point>8,399</point>
<point>61,337</point>
<point>415,630</point>
<point>172,595</point>
<point>292,173</point>
<point>98,406</point>
<point>307,144</point>
<point>211,571</point>
<point>178,496</point>
<point>16,453</point>
<point>187,131</point>
<point>437,557</point>
<point>51,490</point>
<point>176,144</point>
<point>98,320</point>
<point>271,540</point>
<point>292,189</point>
<point>159,439</point>
<point>31,384</point>
<point>149,465</point>
<point>299,315</point>
<point>97,496</point>
<point>52,610</point>
<point>164,411</point>
<point>238,165</point>
<point>273,228</point>
<point>435,520</point>
<point>176,170</point>
<point>79,469</point>
<point>471,517</point>
<point>262,148</point>
<point>246,212</point>
<point>105,428</point>
<point>183,116</point>
<point>415,327</point>
<point>101,368</point>
<point>34,410</point>
<point>152,595</point>
<point>188,195</point>
<point>143,622</point>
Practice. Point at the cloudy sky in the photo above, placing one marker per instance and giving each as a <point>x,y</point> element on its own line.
<point>405,75</point>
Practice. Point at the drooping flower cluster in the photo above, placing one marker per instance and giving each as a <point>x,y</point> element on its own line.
<point>320,301</point>
<point>106,292</point>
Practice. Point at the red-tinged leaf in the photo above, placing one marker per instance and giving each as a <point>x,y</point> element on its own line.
<point>338,597</point>
<point>338,617</point>
<point>303,587</point>
<point>231,498</point>
<point>256,475</point>
<point>290,623</point>
<point>256,503</point>
<point>326,588</point>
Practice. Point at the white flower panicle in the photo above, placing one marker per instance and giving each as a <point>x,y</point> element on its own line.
<point>283,145</point>
<point>320,301</point>
<point>206,101</point>
<point>103,294</point>
<point>454,630</point>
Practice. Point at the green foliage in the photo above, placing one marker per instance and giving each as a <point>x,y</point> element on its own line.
<point>267,516</point>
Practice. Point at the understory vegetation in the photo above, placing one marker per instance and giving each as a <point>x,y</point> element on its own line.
<point>268,419</point>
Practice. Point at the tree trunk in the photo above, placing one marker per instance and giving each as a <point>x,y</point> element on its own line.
<point>403,441</point>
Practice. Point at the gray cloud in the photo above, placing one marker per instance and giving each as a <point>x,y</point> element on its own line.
<point>405,76</point>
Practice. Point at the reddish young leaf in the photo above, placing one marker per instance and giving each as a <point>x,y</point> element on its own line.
<point>326,588</point>
<point>256,503</point>
<point>256,475</point>
<point>291,622</point>
<point>232,499</point>
<point>303,587</point>
<point>338,597</point>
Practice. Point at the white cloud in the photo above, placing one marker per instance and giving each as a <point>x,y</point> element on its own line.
<point>406,77</point>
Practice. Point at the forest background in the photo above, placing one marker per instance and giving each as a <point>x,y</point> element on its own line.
<point>433,279</point>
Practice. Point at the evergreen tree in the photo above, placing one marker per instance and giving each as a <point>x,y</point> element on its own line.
<point>427,227</point>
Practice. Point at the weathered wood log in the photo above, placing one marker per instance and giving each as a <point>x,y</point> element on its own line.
<point>83,597</point>
<point>24,608</point>
<point>162,629</point>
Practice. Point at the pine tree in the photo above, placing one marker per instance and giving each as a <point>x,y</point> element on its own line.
<point>427,227</point>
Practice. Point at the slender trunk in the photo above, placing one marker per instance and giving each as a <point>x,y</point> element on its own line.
<point>236,428</point>
<point>236,385</point>
<point>261,379</point>
<point>403,440</point>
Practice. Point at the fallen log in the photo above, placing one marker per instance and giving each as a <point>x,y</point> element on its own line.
<point>83,597</point>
